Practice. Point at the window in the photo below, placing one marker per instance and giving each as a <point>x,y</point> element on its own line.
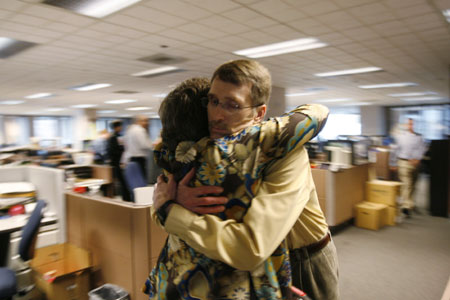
<point>431,121</point>
<point>16,131</point>
<point>341,123</point>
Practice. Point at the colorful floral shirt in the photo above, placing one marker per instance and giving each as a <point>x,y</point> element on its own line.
<point>236,163</point>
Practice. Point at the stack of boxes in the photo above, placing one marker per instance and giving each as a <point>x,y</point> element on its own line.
<point>381,207</point>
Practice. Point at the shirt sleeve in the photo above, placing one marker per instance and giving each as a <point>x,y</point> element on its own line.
<point>282,134</point>
<point>274,210</point>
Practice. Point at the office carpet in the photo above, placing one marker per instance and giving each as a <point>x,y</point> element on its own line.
<point>408,261</point>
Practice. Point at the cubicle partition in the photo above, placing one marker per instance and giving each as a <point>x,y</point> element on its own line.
<point>123,240</point>
<point>49,183</point>
<point>339,191</point>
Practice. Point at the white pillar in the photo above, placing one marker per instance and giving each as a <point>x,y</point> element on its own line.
<point>373,120</point>
<point>277,103</point>
<point>83,127</point>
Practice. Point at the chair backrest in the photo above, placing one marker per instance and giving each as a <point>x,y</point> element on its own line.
<point>134,177</point>
<point>30,232</point>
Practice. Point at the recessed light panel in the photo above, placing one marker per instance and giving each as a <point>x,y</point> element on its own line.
<point>446,14</point>
<point>92,8</point>
<point>84,105</point>
<point>349,72</point>
<point>90,86</point>
<point>106,111</point>
<point>281,48</point>
<point>387,85</point>
<point>53,109</point>
<point>139,108</point>
<point>301,94</point>
<point>422,99</point>
<point>412,94</point>
<point>39,95</point>
<point>120,101</point>
<point>157,71</point>
<point>10,47</point>
<point>11,102</point>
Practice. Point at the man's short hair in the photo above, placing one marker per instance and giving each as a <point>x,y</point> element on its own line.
<point>244,71</point>
<point>183,116</point>
<point>116,123</point>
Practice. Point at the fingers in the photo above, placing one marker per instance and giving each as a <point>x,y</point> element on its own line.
<point>160,179</point>
<point>202,201</point>
<point>187,177</point>
<point>201,190</point>
<point>209,209</point>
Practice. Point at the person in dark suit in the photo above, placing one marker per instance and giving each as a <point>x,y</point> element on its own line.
<point>115,150</point>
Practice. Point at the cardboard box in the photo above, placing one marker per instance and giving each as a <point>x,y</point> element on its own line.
<point>370,215</point>
<point>382,191</point>
<point>62,272</point>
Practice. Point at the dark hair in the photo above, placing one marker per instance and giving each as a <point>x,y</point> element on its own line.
<point>116,123</point>
<point>182,114</point>
<point>244,71</point>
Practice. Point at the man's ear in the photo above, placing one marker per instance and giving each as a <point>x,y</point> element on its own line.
<point>260,113</point>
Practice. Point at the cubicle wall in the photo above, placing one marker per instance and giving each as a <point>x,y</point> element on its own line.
<point>123,240</point>
<point>49,183</point>
<point>338,192</point>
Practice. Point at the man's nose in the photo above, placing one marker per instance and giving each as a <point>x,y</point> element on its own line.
<point>217,113</point>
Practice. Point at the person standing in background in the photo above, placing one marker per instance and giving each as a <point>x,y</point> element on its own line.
<point>137,143</point>
<point>115,150</point>
<point>410,149</point>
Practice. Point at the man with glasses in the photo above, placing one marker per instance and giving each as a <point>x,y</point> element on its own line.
<point>285,206</point>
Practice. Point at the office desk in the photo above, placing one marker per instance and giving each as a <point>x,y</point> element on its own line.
<point>11,224</point>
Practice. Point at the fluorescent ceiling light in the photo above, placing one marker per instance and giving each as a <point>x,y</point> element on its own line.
<point>160,70</point>
<point>120,101</point>
<point>349,72</point>
<point>357,104</point>
<point>106,111</point>
<point>301,94</point>
<point>334,100</point>
<point>90,86</point>
<point>11,102</point>
<point>422,99</point>
<point>92,8</point>
<point>281,48</point>
<point>55,109</point>
<point>160,95</point>
<point>446,14</point>
<point>139,108</point>
<point>387,85</point>
<point>412,94</point>
<point>39,95</point>
<point>84,105</point>
<point>10,47</point>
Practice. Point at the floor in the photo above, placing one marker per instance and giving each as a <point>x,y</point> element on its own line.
<point>408,261</point>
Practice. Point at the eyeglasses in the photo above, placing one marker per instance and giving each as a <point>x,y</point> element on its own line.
<point>228,106</point>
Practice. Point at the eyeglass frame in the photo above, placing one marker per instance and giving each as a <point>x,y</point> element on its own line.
<point>230,109</point>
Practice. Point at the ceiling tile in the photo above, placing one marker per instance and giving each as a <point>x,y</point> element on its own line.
<point>13,5</point>
<point>139,25</point>
<point>179,8</point>
<point>267,7</point>
<point>319,8</point>
<point>214,6</point>
<point>154,16</point>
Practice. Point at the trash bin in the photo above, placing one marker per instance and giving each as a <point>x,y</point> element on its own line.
<point>108,292</point>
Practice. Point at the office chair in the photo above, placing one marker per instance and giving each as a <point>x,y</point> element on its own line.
<point>8,281</point>
<point>134,177</point>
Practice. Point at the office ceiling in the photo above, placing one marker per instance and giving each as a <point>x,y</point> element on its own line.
<point>408,39</point>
